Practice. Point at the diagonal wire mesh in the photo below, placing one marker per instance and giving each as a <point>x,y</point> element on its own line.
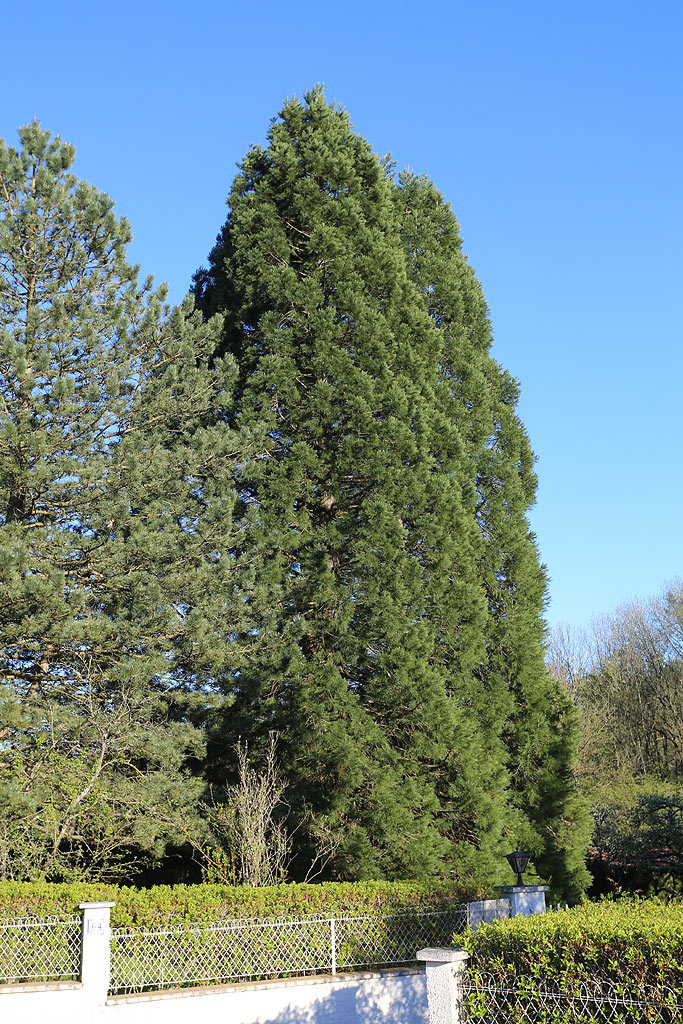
<point>40,949</point>
<point>394,938</point>
<point>488,999</point>
<point>246,949</point>
<point>142,959</point>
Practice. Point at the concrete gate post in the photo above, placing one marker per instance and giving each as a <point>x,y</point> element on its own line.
<point>443,970</point>
<point>95,949</point>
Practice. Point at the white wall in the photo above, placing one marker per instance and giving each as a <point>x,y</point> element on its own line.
<point>377,997</point>
<point>51,1003</point>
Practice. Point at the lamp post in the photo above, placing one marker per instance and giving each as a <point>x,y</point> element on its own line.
<point>518,862</point>
<point>524,899</point>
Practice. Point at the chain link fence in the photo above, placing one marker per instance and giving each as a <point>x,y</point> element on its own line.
<point>40,949</point>
<point>243,950</point>
<point>487,999</point>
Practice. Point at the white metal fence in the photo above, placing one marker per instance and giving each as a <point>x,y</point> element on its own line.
<point>53,949</point>
<point>143,959</point>
<point>490,999</point>
<point>40,949</point>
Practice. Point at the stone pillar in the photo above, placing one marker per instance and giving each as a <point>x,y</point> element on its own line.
<point>443,969</point>
<point>524,899</point>
<point>95,941</point>
<point>485,911</point>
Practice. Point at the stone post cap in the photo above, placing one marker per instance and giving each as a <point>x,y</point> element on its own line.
<point>442,955</point>
<point>97,906</point>
<point>522,888</point>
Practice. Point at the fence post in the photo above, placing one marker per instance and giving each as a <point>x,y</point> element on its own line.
<point>484,911</point>
<point>443,970</point>
<point>95,950</point>
<point>333,943</point>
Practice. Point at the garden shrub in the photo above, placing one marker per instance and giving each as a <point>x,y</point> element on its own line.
<point>163,905</point>
<point>626,940</point>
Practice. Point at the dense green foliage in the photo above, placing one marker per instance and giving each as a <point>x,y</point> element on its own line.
<point>175,904</point>
<point>399,593</point>
<point>115,533</point>
<point>637,844</point>
<point>632,940</point>
<point>530,723</point>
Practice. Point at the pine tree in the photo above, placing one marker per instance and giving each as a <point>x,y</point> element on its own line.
<point>378,587</point>
<point>116,543</point>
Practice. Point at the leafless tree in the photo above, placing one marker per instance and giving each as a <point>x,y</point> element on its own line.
<point>251,841</point>
<point>626,676</point>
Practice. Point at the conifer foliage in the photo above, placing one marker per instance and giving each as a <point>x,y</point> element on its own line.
<point>398,593</point>
<point>115,531</point>
<point>538,728</point>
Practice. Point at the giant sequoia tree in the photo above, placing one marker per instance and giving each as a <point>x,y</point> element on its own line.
<point>535,722</point>
<point>398,594</point>
<point>115,531</point>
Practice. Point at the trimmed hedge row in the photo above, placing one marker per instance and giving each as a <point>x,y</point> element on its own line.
<point>174,904</point>
<point>637,941</point>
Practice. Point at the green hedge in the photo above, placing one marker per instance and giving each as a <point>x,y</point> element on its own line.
<point>173,904</point>
<point>626,940</point>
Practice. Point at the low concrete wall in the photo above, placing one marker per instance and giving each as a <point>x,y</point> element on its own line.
<point>54,1002</point>
<point>369,997</point>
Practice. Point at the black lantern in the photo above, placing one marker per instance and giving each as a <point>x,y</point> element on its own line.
<point>518,862</point>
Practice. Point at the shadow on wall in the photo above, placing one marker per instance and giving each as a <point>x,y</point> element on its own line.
<point>373,1002</point>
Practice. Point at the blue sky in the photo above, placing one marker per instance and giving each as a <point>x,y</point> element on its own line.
<point>553,128</point>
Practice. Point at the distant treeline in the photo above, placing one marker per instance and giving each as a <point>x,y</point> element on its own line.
<point>625,675</point>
